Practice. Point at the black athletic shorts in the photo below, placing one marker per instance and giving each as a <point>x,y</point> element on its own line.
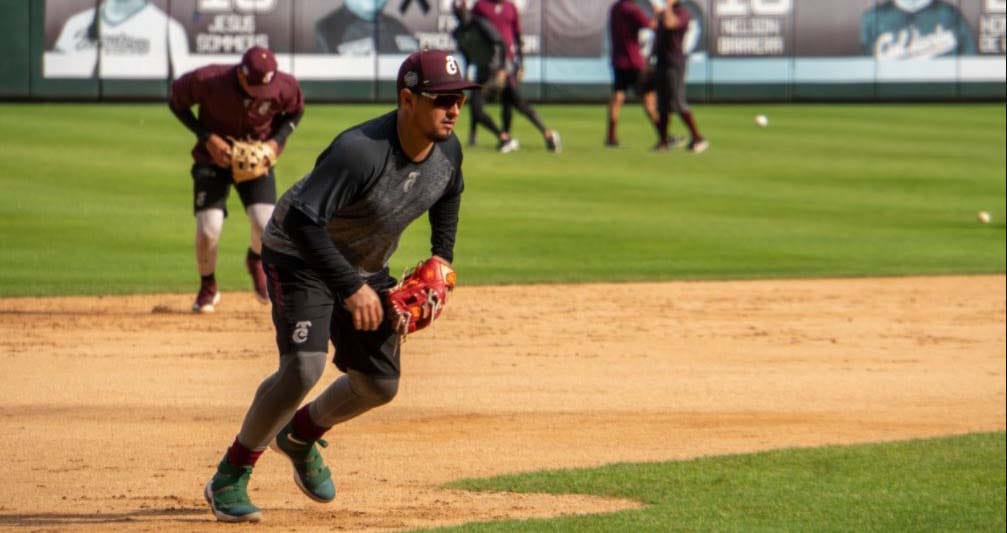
<point>211,185</point>
<point>671,89</point>
<point>640,81</point>
<point>307,317</point>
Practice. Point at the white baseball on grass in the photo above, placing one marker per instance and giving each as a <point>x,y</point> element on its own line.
<point>984,217</point>
<point>762,120</point>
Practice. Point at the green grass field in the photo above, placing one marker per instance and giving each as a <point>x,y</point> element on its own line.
<point>949,484</point>
<point>97,198</point>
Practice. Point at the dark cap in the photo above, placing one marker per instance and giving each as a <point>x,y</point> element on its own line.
<point>434,71</point>
<point>259,67</point>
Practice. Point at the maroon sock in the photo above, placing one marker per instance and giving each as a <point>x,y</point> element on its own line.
<point>611,131</point>
<point>305,428</point>
<point>239,455</point>
<point>691,123</point>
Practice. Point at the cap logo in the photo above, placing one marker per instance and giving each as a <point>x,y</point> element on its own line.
<point>451,66</point>
<point>410,79</point>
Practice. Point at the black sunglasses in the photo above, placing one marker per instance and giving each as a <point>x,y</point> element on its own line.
<point>445,100</point>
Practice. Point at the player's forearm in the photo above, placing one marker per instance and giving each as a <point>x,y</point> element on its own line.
<point>321,254</point>
<point>287,125</point>
<point>186,117</point>
<point>444,226</point>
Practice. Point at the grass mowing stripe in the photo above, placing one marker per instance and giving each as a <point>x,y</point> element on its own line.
<point>823,191</point>
<point>947,484</point>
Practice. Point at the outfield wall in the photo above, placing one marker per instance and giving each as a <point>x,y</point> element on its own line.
<point>776,50</point>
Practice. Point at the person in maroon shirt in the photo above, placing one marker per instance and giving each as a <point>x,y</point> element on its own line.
<point>672,23</point>
<point>629,68</point>
<point>503,15</point>
<point>251,100</point>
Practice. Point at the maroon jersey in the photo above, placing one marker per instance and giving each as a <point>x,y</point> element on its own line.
<point>505,18</point>
<point>625,20</point>
<point>668,42</point>
<point>226,110</point>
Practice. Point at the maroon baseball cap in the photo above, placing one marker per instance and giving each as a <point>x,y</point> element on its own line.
<point>433,71</point>
<point>259,67</point>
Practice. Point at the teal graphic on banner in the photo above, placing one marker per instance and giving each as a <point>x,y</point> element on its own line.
<point>915,29</point>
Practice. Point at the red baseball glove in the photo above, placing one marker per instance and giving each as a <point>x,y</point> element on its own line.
<point>420,297</point>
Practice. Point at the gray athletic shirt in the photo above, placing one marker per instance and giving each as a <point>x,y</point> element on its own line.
<point>365,192</point>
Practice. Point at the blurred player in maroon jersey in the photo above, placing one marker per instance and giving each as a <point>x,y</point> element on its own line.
<point>629,68</point>
<point>249,100</point>
<point>503,15</point>
<point>672,23</point>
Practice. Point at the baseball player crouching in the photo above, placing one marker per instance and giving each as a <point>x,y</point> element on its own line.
<point>251,101</point>
<point>326,251</point>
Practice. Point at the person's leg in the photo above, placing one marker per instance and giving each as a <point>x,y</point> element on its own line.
<point>479,115</point>
<point>647,89</point>
<point>210,191</point>
<point>370,360</point>
<point>301,315</point>
<point>352,395</point>
<point>506,110</point>
<point>258,217</point>
<point>259,197</point>
<point>614,107</point>
<point>209,226</point>
<point>275,402</point>
<point>680,105</point>
<point>663,93</point>
<point>512,94</point>
<point>650,107</point>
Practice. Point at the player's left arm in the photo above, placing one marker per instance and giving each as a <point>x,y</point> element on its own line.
<point>185,93</point>
<point>444,213</point>
<point>286,121</point>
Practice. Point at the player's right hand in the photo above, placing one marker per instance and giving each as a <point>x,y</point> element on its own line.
<point>219,150</point>
<point>366,308</point>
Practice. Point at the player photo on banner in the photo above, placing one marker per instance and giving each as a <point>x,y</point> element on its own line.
<point>897,40</point>
<point>885,29</point>
<point>219,31</point>
<point>915,29</point>
<point>112,39</point>
<point>364,39</point>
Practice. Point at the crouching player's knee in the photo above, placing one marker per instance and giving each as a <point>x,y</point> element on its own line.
<point>304,369</point>
<point>373,390</point>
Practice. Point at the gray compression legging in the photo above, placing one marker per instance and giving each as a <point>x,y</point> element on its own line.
<point>279,396</point>
<point>512,99</point>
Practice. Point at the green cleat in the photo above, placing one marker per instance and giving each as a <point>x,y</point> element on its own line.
<point>227,494</point>
<point>310,472</point>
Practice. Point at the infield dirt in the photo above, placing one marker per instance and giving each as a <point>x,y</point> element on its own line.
<point>115,410</point>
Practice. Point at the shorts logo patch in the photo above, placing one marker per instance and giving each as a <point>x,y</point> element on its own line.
<point>300,334</point>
